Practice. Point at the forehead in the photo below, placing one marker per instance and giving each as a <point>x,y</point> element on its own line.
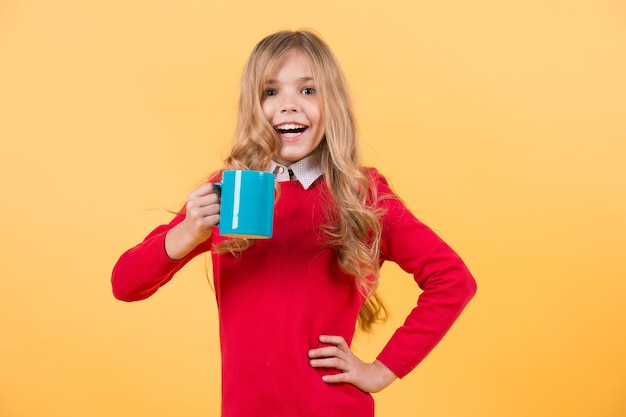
<point>292,64</point>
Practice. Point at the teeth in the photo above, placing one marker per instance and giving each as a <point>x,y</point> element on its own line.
<point>289,126</point>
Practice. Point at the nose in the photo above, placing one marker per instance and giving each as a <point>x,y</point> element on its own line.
<point>289,104</point>
<point>288,108</point>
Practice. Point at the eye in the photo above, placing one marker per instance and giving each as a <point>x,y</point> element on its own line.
<point>269,92</point>
<point>308,91</point>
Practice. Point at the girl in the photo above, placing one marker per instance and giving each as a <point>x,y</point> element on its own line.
<point>288,306</point>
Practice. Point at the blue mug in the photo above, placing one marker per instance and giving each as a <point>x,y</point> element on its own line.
<point>247,204</point>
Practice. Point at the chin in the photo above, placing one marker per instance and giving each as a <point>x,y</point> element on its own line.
<point>289,159</point>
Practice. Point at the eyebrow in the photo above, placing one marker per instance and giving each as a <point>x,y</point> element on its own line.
<point>301,79</point>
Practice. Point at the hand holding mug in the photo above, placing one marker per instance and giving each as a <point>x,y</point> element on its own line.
<point>201,214</point>
<point>202,211</point>
<point>242,205</point>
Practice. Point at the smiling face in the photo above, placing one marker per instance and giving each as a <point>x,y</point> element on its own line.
<point>292,106</point>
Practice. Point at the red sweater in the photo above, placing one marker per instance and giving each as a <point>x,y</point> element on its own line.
<point>281,294</point>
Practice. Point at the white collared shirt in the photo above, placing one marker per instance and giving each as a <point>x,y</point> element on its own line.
<point>306,170</point>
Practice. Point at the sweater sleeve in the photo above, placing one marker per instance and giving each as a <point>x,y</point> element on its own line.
<point>446,283</point>
<point>143,269</point>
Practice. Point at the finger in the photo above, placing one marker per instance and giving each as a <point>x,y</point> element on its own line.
<point>207,211</point>
<point>200,201</point>
<point>334,363</point>
<point>325,352</point>
<point>198,209</point>
<point>343,377</point>
<point>203,202</point>
<point>204,190</point>
<point>204,215</point>
<point>338,341</point>
<point>206,200</point>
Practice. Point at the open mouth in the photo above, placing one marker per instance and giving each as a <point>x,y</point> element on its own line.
<point>290,130</point>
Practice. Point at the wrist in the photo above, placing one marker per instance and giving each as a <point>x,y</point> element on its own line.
<point>179,242</point>
<point>385,374</point>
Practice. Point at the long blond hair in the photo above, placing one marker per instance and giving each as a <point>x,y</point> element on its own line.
<point>355,230</point>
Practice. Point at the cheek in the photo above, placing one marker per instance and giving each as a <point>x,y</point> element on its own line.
<point>314,113</point>
<point>267,110</point>
<point>320,118</point>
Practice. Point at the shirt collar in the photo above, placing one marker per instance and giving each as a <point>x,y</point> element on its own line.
<point>307,170</point>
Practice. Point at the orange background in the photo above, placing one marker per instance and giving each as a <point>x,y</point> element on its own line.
<point>501,124</point>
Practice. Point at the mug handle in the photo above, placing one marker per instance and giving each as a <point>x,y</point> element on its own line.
<point>219,188</point>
